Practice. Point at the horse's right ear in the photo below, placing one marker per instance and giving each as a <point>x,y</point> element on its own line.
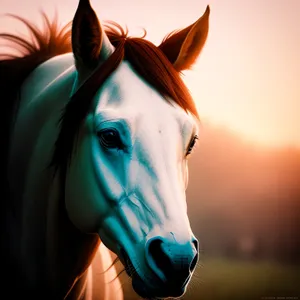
<point>89,41</point>
<point>183,47</point>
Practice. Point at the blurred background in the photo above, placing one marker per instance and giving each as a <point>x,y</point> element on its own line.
<point>244,190</point>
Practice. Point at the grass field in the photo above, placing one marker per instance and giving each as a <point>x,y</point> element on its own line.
<point>223,279</point>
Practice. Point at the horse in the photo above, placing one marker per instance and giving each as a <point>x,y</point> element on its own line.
<point>98,128</point>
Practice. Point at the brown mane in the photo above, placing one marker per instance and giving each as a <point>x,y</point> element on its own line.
<point>44,44</point>
<point>147,60</point>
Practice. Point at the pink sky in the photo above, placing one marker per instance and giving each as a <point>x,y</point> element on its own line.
<point>248,76</point>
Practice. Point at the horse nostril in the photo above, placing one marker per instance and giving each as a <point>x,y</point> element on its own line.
<point>195,259</point>
<point>160,258</point>
<point>172,262</point>
<point>196,244</point>
<point>194,263</point>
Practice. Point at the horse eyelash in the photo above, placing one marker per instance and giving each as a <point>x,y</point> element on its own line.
<point>190,149</point>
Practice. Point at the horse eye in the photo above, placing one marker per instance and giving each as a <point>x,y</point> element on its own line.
<point>109,138</point>
<point>192,144</point>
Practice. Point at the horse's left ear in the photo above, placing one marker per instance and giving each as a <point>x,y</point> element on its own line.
<point>90,44</point>
<point>183,47</point>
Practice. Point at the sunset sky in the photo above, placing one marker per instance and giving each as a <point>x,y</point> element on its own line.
<point>248,76</point>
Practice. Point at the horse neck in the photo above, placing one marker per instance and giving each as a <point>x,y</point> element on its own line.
<point>69,252</point>
<point>52,252</point>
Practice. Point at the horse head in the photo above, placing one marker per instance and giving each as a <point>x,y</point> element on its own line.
<point>127,177</point>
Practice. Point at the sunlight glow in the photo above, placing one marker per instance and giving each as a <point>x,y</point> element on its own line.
<point>247,77</point>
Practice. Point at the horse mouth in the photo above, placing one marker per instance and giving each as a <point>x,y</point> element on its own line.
<point>138,284</point>
<point>142,289</point>
<point>129,268</point>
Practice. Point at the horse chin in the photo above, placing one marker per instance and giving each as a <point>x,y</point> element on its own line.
<point>162,292</point>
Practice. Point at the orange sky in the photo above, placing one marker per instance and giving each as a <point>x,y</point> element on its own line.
<point>248,76</point>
